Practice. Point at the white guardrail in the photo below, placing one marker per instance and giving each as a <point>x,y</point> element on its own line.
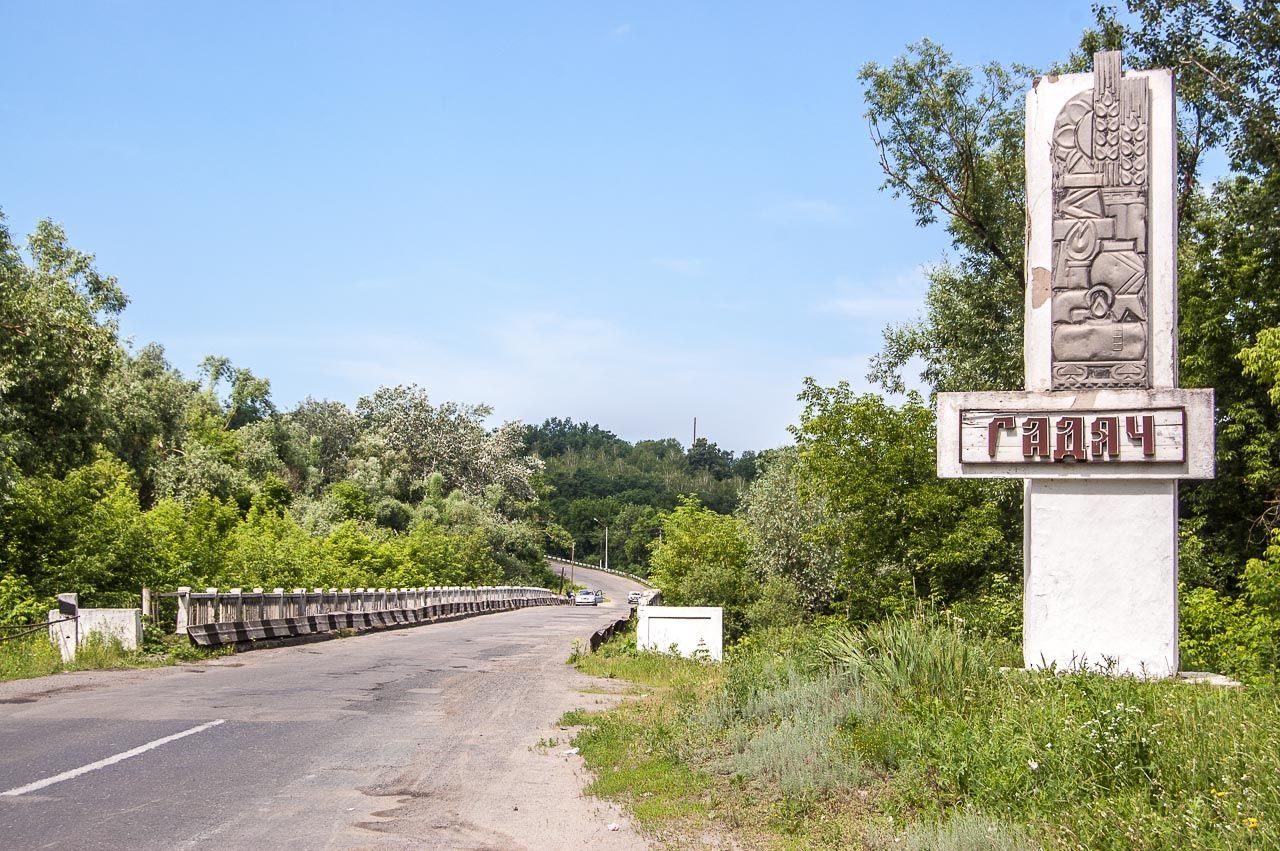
<point>632,576</point>
<point>214,617</point>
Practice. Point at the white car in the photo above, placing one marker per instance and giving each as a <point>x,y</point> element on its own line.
<point>585,597</point>
<point>634,597</point>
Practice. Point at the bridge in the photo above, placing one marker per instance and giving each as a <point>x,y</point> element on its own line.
<point>424,737</point>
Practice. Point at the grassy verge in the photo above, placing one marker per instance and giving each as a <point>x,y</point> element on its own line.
<point>912,735</point>
<point>36,656</point>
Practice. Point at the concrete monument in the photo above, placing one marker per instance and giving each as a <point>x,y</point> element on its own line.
<point>1102,433</point>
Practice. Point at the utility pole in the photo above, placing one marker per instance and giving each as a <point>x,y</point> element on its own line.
<point>606,541</point>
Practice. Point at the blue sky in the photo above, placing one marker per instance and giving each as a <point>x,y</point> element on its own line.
<point>628,213</point>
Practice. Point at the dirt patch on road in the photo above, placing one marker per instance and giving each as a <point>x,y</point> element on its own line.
<point>503,780</point>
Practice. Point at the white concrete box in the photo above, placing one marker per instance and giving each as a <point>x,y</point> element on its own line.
<point>691,631</point>
<point>124,624</point>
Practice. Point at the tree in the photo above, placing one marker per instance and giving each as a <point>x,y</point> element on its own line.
<point>702,560</point>
<point>332,431</point>
<point>411,439</point>
<point>633,531</point>
<point>248,399</point>
<point>1229,277</point>
<point>83,532</point>
<point>950,142</point>
<point>901,532</point>
<point>785,534</point>
<point>146,400</point>
<point>57,349</point>
<point>717,462</point>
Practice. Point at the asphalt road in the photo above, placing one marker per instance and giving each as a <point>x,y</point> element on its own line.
<point>417,738</point>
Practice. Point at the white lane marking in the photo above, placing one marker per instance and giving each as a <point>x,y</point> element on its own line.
<point>111,760</point>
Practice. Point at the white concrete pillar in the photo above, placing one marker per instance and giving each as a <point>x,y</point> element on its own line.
<point>184,609</point>
<point>1101,574</point>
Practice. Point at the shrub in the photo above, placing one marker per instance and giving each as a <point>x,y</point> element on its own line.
<point>1227,636</point>
<point>906,661</point>
<point>964,831</point>
<point>19,603</point>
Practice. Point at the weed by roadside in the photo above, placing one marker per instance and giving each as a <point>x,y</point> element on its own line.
<point>36,656</point>
<point>913,734</point>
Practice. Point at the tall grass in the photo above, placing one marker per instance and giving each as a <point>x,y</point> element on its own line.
<point>964,831</point>
<point>36,656</point>
<point>908,661</point>
<point>29,656</point>
<point>918,717</point>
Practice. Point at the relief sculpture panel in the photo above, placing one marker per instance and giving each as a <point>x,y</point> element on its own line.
<point>1101,296</point>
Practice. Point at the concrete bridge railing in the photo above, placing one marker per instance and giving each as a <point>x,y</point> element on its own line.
<point>220,617</point>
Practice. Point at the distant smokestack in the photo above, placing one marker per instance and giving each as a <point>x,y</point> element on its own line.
<point>695,431</point>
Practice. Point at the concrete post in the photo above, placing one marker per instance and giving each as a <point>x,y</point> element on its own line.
<point>184,609</point>
<point>207,610</point>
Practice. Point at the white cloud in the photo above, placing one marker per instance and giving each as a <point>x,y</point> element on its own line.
<point>890,300</point>
<point>530,365</point>
<point>871,307</point>
<point>853,369</point>
<point>534,365</point>
<point>811,211</point>
<point>689,267</point>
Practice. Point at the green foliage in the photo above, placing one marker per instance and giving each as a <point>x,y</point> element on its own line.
<point>29,656</point>
<point>247,401</point>
<point>900,531</point>
<point>1239,636</point>
<point>781,602</point>
<point>147,401</point>
<point>916,721</point>
<point>351,501</point>
<point>84,532</point>
<point>952,145</point>
<point>593,474</point>
<point>1229,280</point>
<point>1225,635</point>
<point>995,612</point>
<point>702,560</point>
<point>787,548</point>
<point>19,603</point>
<point>57,348</point>
<point>193,540</point>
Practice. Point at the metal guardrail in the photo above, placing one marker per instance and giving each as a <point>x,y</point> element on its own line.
<point>632,576</point>
<point>28,628</point>
<point>600,636</point>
